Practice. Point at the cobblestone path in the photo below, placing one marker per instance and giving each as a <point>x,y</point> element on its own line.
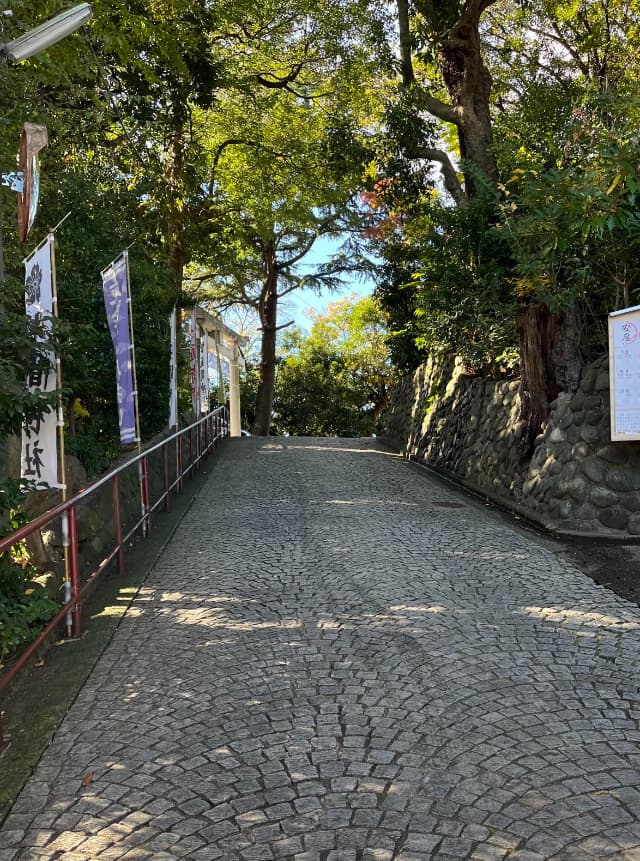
<point>339,659</point>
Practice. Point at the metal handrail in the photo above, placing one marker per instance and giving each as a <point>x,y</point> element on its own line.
<point>201,436</point>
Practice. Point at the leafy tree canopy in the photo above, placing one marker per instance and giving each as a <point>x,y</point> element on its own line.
<point>336,380</point>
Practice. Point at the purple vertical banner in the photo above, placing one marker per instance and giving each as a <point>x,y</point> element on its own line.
<point>116,302</point>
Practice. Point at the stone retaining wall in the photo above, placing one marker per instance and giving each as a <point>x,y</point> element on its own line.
<point>468,429</point>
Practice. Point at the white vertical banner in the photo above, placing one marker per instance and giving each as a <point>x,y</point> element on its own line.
<point>173,372</point>
<point>204,373</point>
<point>222,397</point>
<point>193,367</point>
<point>39,460</point>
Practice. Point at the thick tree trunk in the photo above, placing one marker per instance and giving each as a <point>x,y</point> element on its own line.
<point>268,309</point>
<point>537,330</point>
<point>173,179</point>
<point>456,37</point>
<point>566,355</point>
<point>469,85</point>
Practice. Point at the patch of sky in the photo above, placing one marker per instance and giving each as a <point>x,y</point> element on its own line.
<point>298,304</point>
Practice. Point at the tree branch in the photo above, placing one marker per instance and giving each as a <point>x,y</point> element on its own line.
<point>557,36</point>
<point>302,253</point>
<point>275,83</point>
<point>441,110</point>
<point>448,171</point>
<point>208,276</point>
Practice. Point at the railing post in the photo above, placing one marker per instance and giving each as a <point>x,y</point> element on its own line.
<point>145,493</point>
<point>3,742</point>
<point>74,574</point>
<point>117,522</point>
<point>180,460</point>
<point>165,469</point>
<point>191,449</point>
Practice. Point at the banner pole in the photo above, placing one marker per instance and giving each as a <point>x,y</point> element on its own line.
<point>222,397</point>
<point>194,367</point>
<point>51,232</point>
<point>62,467</point>
<point>173,369</point>
<point>132,348</point>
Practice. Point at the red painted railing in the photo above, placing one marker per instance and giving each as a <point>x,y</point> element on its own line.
<point>190,447</point>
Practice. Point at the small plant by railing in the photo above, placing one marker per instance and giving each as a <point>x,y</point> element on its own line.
<point>24,604</point>
<point>175,460</point>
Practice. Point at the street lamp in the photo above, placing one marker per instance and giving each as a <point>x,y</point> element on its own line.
<point>47,34</point>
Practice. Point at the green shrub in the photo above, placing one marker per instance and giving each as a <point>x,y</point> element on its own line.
<point>24,605</point>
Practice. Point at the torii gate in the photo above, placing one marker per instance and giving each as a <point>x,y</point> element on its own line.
<point>228,345</point>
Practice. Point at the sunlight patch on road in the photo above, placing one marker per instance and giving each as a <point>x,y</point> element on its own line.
<point>417,608</point>
<point>589,618</point>
<point>369,502</point>
<point>334,450</point>
<point>211,618</point>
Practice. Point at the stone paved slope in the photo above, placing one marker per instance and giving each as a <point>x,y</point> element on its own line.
<point>338,659</point>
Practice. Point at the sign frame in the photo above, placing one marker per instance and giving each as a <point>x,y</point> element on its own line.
<point>627,320</point>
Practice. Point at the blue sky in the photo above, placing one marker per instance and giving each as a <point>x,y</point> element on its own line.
<point>295,305</point>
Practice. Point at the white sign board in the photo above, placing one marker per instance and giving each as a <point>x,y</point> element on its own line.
<point>624,374</point>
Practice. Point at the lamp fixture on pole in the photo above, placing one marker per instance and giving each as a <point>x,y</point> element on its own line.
<point>34,138</point>
<point>47,34</point>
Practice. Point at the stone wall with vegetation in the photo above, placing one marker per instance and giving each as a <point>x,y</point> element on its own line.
<point>468,429</point>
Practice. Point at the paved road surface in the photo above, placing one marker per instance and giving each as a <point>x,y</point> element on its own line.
<point>339,659</point>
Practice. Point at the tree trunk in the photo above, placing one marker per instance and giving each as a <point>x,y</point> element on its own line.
<point>455,29</point>
<point>268,309</point>
<point>567,357</point>
<point>173,180</point>
<point>469,85</point>
<point>537,330</point>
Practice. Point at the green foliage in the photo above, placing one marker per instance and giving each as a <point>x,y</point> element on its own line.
<point>106,214</point>
<point>24,609</point>
<point>20,352</point>
<point>226,137</point>
<point>445,278</point>
<point>574,228</point>
<point>463,299</point>
<point>24,605</point>
<point>284,159</point>
<point>316,396</point>
<point>560,229</point>
<point>335,381</point>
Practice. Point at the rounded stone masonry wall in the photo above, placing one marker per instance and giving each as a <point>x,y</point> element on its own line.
<point>579,480</point>
<point>468,429</point>
<point>463,426</point>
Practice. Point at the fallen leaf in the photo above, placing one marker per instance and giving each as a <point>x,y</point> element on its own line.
<point>39,662</point>
<point>87,779</point>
